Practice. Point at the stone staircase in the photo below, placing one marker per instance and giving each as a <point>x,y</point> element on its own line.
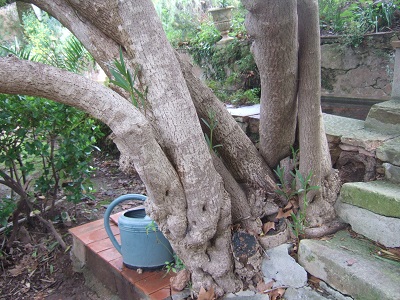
<point>351,263</point>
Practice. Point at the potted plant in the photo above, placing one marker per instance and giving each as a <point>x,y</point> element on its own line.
<point>222,17</point>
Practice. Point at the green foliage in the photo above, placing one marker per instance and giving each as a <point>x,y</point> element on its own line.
<point>151,227</point>
<point>353,19</point>
<point>45,146</point>
<point>124,79</point>
<point>7,207</point>
<point>290,190</point>
<point>299,220</point>
<point>223,3</point>
<point>175,266</point>
<point>43,36</point>
<point>211,124</point>
<point>49,141</point>
<point>330,14</point>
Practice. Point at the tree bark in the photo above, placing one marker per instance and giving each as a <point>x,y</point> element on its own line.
<point>314,155</point>
<point>273,25</point>
<point>193,195</point>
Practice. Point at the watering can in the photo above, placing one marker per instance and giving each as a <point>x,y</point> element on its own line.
<point>142,244</point>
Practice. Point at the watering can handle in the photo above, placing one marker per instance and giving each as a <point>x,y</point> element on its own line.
<point>108,213</point>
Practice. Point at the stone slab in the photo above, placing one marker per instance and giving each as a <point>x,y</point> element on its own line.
<point>246,295</point>
<point>381,229</point>
<point>305,293</point>
<point>280,267</point>
<point>392,173</point>
<point>369,140</point>
<point>384,117</point>
<point>390,151</point>
<point>337,126</point>
<point>348,265</point>
<point>244,111</point>
<point>380,197</point>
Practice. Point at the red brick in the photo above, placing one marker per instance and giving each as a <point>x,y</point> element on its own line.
<point>153,283</point>
<point>102,245</point>
<point>88,227</point>
<point>109,254</point>
<point>161,294</point>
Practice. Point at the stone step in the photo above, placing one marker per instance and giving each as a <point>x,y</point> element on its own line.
<point>380,197</point>
<point>384,117</point>
<point>351,266</point>
<point>392,173</point>
<point>381,229</point>
<point>389,151</point>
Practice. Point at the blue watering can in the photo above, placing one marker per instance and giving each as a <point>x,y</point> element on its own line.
<point>142,243</point>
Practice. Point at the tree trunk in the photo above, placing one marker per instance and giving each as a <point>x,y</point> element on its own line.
<point>193,195</point>
<point>314,155</point>
<point>273,25</point>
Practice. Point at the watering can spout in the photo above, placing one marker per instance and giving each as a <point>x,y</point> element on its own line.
<point>142,244</point>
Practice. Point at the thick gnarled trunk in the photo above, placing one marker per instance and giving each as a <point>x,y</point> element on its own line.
<point>290,71</point>
<point>194,195</point>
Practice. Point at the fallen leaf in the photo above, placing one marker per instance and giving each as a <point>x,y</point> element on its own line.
<point>351,261</point>
<point>288,206</point>
<point>276,293</point>
<point>268,226</point>
<point>206,295</point>
<point>314,280</point>
<point>281,214</point>
<point>295,203</point>
<point>262,286</point>
<point>16,271</point>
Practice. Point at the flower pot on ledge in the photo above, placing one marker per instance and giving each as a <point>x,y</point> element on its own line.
<point>222,18</point>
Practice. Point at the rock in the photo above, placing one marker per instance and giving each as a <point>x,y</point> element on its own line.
<point>180,281</point>
<point>185,294</point>
<point>335,294</point>
<point>278,238</point>
<point>305,293</point>
<point>336,126</point>
<point>246,295</point>
<point>392,173</point>
<point>384,117</point>
<point>375,227</point>
<point>366,277</point>
<point>390,151</point>
<point>380,197</point>
<point>280,267</point>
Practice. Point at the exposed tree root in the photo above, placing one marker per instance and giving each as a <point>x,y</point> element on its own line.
<point>325,229</point>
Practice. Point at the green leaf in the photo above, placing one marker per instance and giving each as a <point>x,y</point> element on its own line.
<point>206,123</point>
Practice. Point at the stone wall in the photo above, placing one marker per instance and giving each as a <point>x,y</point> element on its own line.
<point>363,72</point>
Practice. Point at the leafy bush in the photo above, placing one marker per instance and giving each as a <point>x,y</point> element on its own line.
<point>45,146</point>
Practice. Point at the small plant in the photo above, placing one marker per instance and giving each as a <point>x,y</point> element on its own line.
<point>299,221</point>
<point>212,124</point>
<point>175,266</point>
<point>223,3</point>
<point>151,227</point>
<point>124,79</point>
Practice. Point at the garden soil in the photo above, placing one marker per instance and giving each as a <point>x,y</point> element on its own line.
<point>36,267</point>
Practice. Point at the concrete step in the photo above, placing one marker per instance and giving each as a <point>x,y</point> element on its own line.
<point>381,229</point>
<point>351,266</point>
<point>380,197</point>
<point>384,117</point>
